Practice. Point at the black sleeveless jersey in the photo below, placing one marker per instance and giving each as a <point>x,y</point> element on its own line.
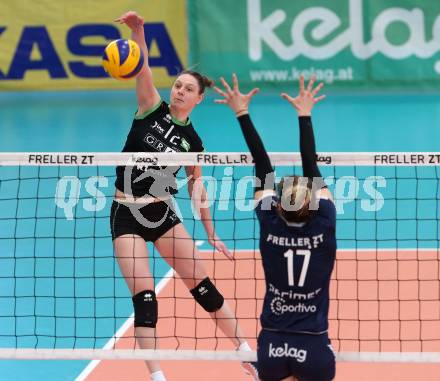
<point>155,131</point>
<point>298,261</point>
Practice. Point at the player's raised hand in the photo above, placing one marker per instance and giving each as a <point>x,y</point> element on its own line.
<point>238,102</point>
<point>307,97</point>
<point>131,19</point>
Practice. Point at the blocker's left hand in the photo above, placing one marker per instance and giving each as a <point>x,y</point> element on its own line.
<point>307,97</point>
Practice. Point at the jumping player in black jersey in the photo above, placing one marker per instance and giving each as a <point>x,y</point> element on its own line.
<point>143,209</point>
<point>298,249</point>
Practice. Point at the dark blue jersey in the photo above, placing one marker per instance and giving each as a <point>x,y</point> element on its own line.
<point>298,261</point>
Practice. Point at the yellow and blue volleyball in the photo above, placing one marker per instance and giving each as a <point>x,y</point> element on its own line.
<point>122,59</point>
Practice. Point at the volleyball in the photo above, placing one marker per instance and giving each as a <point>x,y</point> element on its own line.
<point>122,59</point>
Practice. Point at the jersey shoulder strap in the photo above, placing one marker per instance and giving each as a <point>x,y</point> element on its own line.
<point>159,108</point>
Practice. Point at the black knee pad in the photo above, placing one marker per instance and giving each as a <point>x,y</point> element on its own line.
<point>145,309</point>
<point>208,296</point>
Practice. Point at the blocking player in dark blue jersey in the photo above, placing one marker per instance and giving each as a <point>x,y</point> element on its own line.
<point>298,249</point>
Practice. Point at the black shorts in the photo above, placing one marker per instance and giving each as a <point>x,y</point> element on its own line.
<point>149,221</point>
<point>305,356</point>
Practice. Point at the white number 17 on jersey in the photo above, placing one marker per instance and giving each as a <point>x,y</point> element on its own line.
<point>289,255</point>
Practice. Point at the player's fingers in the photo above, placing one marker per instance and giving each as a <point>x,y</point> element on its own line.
<point>225,251</point>
<point>251,93</point>
<point>316,100</point>
<point>235,82</point>
<point>219,246</point>
<point>317,89</point>
<point>301,84</point>
<point>311,83</point>
<point>225,84</point>
<point>132,15</point>
<point>221,101</point>
<point>219,91</point>
<point>287,97</point>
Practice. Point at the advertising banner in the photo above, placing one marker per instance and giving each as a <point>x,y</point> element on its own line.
<point>48,44</point>
<point>351,44</point>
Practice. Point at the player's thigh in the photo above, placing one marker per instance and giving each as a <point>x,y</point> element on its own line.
<point>180,252</point>
<point>310,357</point>
<point>132,255</point>
<point>272,365</point>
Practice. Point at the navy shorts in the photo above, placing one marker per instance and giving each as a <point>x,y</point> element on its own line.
<point>149,221</point>
<point>304,356</point>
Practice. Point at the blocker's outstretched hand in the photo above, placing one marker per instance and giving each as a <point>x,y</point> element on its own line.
<point>238,102</point>
<point>307,97</point>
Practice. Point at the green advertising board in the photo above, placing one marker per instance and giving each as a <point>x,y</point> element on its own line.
<point>350,44</point>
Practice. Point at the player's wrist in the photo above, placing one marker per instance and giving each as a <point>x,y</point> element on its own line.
<point>138,28</point>
<point>302,113</point>
<point>241,112</point>
<point>139,22</point>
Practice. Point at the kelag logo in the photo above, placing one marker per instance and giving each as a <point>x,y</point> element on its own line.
<point>38,38</point>
<point>350,44</point>
<point>320,33</point>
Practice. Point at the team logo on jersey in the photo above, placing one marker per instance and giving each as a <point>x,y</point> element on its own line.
<point>184,144</point>
<point>175,139</point>
<point>167,118</point>
<point>278,306</point>
<point>291,295</point>
<point>285,351</point>
<point>156,126</point>
<point>157,144</point>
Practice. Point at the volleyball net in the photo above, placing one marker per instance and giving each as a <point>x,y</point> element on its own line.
<point>62,294</point>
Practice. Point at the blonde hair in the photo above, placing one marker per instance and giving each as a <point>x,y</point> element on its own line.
<point>295,194</point>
